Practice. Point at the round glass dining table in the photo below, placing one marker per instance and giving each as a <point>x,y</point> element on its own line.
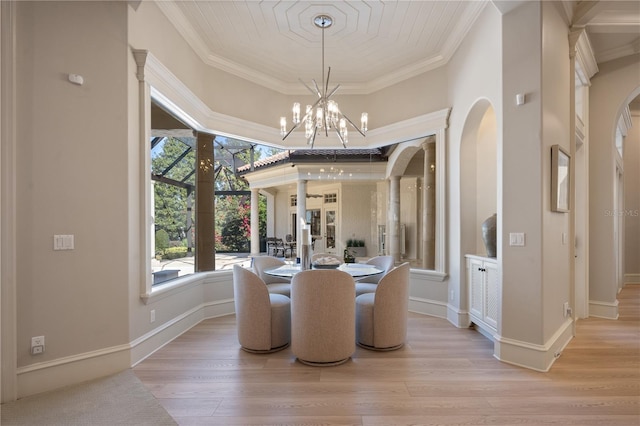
<point>356,270</point>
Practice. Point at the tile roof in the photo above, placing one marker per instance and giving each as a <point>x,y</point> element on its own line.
<point>318,155</point>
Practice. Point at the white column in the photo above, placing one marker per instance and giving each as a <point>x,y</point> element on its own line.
<point>255,222</point>
<point>301,212</point>
<point>394,217</point>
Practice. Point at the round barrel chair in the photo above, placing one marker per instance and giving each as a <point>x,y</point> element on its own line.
<point>381,317</point>
<point>369,284</point>
<point>263,319</point>
<point>323,317</point>
<point>277,285</point>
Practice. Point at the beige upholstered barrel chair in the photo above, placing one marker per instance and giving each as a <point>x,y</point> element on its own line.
<point>369,284</point>
<point>381,317</point>
<point>263,319</point>
<point>323,317</point>
<point>277,285</point>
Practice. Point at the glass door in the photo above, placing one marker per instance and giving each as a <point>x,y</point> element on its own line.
<point>330,231</point>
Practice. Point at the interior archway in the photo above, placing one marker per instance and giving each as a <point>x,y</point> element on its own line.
<point>478,175</point>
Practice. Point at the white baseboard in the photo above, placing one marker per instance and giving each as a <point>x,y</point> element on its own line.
<point>632,278</point>
<point>457,317</point>
<point>50,375</point>
<point>599,309</point>
<point>42,377</point>
<point>430,307</point>
<point>532,356</point>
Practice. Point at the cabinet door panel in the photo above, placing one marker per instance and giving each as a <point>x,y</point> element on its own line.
<point>476,291</point>
<point>492,301</point>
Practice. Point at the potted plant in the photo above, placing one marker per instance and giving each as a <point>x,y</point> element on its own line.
<point>356,247</point>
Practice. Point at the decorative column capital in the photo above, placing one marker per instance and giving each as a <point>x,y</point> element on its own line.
<point>428,140</point>
<point>140,57</point>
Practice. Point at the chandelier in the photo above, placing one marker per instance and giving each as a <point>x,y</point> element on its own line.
<point>324,115</point>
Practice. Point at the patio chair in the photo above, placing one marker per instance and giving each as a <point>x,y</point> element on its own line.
<point>289,245</point>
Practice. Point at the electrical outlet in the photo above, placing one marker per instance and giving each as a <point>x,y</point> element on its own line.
<point>37,345</point>
<point>152,315</point>
<point>452,295</point>
<point>566,310</point>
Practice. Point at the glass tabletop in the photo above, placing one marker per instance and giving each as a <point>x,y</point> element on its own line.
<point>356,270</point>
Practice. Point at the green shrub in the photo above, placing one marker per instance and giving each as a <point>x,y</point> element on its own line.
<point>162,240</point>
<point>174,253</point>
<point>354,242</point>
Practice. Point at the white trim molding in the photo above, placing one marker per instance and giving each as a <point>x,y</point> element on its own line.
<point>434,308</point>
<point>45,376</point>
<point>457,317</point>
<point>632,278</point>
<point>8,216</point>
<point>600,309</point>
<point>171,93</point>
<point>532,356</point>
<point>586,65</point>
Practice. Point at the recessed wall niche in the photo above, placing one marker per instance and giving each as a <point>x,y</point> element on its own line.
<point>478,175</point>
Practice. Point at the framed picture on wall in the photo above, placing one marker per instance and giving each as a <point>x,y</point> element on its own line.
<point>560,175</point>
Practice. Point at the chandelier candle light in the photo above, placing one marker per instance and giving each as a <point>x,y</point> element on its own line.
<point>324,114</point>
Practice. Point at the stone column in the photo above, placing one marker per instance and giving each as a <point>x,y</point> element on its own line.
<point>301,212</point>
<point>429,205</point>
<point>394,218</point>
<point>255,222</point>
<point>205,210</point>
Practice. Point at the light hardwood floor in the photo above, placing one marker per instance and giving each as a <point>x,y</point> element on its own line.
<point>443,376</point>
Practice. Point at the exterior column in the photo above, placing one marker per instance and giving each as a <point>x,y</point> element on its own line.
<point>429,205</point>
<point>255,222</point>
<point>301,213</point>
<point>394,218</point>
<point>205,209</point>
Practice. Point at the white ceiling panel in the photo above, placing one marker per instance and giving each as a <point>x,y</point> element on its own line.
<point>371,44</point>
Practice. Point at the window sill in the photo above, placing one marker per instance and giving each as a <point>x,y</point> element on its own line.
<point>174,286</point>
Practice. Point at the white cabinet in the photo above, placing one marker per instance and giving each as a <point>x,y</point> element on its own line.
<point>484,292</point>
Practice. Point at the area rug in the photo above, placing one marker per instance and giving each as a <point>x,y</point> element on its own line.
<point>120,399</point>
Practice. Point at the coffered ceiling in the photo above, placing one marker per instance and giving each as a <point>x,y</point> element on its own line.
<point>371,45</point>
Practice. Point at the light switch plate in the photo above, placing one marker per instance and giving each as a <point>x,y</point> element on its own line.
<point>516,239</point>
<point>63,242</point>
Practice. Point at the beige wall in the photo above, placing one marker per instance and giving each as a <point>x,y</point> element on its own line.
<point>632,199</point>
<point>522,188</point>
<point>474,78</point>
<point>556,249</point>
<point>613,87</point>
<point>71,177</point>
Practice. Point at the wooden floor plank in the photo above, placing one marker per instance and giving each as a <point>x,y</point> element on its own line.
<point>442,376</point>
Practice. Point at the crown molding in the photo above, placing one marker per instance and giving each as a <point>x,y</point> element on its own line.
<point>186,30</point>
<point>586,60</point>
<point>168,91</point>
<point>625,122</point>
<point>619,52</point>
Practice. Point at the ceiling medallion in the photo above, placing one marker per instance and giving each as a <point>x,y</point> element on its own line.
<point>324,115</point>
